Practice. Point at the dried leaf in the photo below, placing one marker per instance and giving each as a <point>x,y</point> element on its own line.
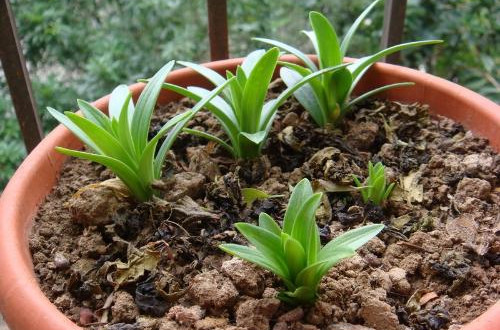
<point>428,297</point>
<point>413,303</point>
<point>116,185</point>
<point>401,221</point>
<point>287,137</point>
<point>409,188</point>
<point>139,261</point>
<point>190,211</point>
<point>329,186</point>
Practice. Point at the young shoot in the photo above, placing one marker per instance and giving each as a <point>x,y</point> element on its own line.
<point>375,188</point>
<point>119,140</point>
<point>241,108</point>
<point>293,252</point>
<point>328,98</point>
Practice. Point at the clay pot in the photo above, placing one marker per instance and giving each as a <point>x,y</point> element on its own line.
<point>23,304</point>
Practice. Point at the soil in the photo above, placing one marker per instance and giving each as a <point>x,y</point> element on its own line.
<point>110,263</point>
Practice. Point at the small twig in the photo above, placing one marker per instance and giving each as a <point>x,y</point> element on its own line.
<point>178,225</point>
<point>413,246</point>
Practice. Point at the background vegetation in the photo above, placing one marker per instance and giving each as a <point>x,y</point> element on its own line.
<point>80,48</point>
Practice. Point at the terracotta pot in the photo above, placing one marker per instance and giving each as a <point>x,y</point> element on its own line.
<point>23,304</point>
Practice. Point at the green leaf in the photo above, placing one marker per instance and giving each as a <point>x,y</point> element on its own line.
<point>388,191</point>
<point>74,129</point>
<point>352,240</point>
<point>377,190</point>
<point>341,85</point>
<point>122,171</point>
<point>267,222</point>
<point>169,140</point>
<point>210,137</point>
<point>328,44</point>
<point>256,138</point>
<point>272,105</point>
<point>241,76</point>
<point>313,243</point>
<point>311,275</point>
<point>236,93</point>
<point>210,74</point>
<point>107,143</point>
<point>250,195</point>
<point>123,129</point>
<point>255,90</point>
<point>306,95</point>
<point>118,97</point>
<point>149,166</point>
<point>254,256</point>
<point>249,145</point>
<point>223,113</point>
<point>312,37</point>
<point>348,36</point>
<point>301,295</point>
<point>264,241</point>
<point>357,67</point>
<point>300,194</point>
<point>303,57</point>
<point>167,144</point>
<point>213,76</point>
<point>222,110</point>
<point>250,61</point>
<point>145,106</point>
<point>94,115</point>
<point>305,220</point>
<point>295,256</point>
<point>377,90</point>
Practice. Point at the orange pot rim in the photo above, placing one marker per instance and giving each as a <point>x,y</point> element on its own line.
<point>23,304</point>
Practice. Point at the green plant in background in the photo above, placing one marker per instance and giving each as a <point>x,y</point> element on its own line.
<point>471,28</point>
<point>294,252</point>
<point>120,141</point>
<point>375,188</point>
<point>241,109</point>
<point>328,98</point>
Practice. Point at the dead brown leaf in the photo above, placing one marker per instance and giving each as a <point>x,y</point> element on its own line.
<point>138,262</point>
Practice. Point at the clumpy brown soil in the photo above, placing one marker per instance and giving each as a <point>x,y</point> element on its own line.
<point>109,263</point>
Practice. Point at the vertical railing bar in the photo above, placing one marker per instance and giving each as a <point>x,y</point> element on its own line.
<point>394,21</point>
<point>217,29</point>
<point>18,80</point>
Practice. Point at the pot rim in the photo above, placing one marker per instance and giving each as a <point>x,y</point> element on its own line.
<point>18,286</point>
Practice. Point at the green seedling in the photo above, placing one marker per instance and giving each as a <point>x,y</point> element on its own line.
<point>293,252</point>
<point>241,108</point>
<point>119,140</point>
<point>375,188</point>
<point>250,195</point>
<point>328,98</point>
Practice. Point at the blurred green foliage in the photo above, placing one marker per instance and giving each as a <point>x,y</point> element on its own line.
<point>82,48</point>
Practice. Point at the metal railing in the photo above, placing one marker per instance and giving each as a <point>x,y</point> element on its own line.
<point>14,64</point>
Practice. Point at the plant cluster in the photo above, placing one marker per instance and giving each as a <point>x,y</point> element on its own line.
<point>328,98</point>
<point>120,141</point>
<point>293,252</point>
<point>241,109</point>
<point>375,188</point>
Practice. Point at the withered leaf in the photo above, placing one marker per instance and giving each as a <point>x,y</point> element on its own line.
<point>138,262</point>
<point>409,188</point>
